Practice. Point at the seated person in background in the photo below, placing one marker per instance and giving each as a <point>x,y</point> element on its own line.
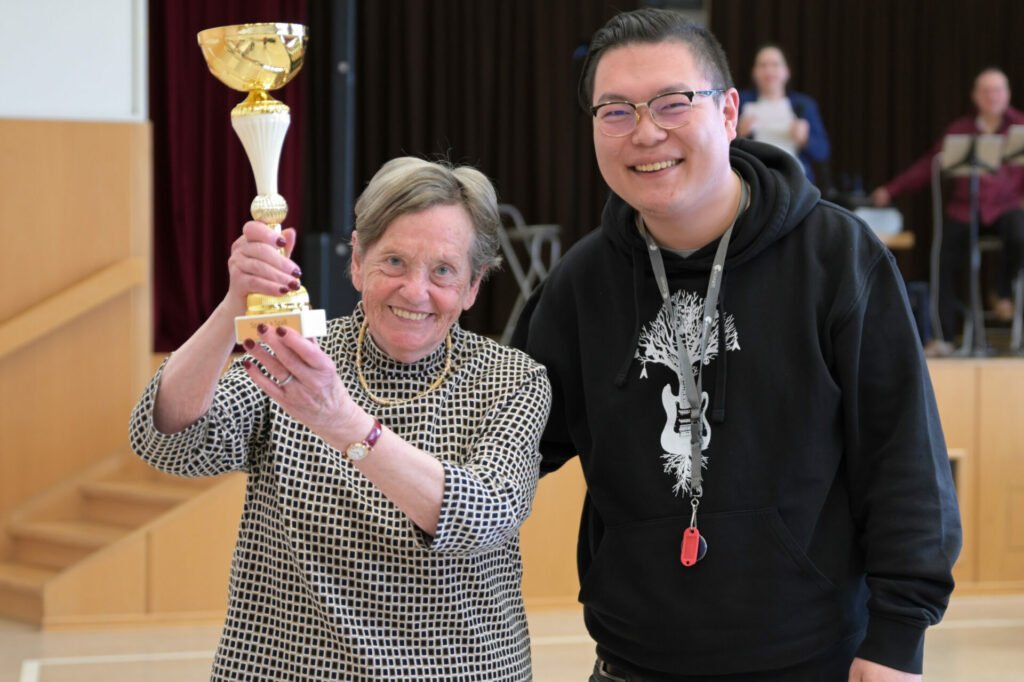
<point>999,202</point>
<point>390,463</point>
<point>771,113</point>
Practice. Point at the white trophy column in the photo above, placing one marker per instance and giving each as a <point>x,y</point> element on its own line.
<point>262,135</point>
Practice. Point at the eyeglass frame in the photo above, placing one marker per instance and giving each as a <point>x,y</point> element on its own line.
<point>690,94</point>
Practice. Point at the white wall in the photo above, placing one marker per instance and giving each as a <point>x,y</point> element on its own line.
<point>73,59</point>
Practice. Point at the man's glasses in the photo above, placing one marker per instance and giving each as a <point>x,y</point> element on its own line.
<point>669,110</point>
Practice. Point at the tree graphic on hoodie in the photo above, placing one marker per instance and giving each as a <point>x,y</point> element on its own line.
<point>658,344</point>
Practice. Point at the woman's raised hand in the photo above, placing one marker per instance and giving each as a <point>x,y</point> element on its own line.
<point>257,266</point>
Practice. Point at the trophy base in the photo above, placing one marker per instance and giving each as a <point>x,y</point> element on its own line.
<point>309,323</point>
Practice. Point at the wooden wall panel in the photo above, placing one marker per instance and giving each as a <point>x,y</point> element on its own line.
<point>72,196</point>
<point>95,589</point>
<point>1001,474</point>
<point>66,402</point>
<point>548,539</point>
<point>956,392</point>
<point>77,198</point>
<point>189,556</point>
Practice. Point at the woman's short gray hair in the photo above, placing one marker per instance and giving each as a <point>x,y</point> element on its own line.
<point>410,185</point>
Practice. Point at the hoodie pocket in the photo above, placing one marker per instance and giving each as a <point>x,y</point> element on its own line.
<point>755,588</point>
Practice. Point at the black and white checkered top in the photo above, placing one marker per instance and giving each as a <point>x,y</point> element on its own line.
<point>330,580</point>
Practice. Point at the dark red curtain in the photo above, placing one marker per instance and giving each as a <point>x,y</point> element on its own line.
<point>888,77</point>
<point>203,183</point>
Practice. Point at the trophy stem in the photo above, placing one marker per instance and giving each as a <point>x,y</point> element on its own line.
<point>261,123</point>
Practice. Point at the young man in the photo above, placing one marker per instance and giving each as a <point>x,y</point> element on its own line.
<point>735,363</point>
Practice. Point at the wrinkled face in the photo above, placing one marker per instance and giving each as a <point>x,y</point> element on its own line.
<point>770,71</point>
<point>664,174</point>
<point>416,280</point>
<point>991,93</point>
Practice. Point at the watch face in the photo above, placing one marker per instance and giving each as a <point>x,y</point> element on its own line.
<point>357,451</point>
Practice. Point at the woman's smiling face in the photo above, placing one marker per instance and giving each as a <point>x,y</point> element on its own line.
<point>416,280</point>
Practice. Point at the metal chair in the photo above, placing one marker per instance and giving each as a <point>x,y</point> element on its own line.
<point>533,238</point>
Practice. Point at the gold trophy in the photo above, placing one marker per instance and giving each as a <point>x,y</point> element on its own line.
<point>255,58</point>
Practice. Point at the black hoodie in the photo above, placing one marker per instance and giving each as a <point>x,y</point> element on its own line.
<point>828,505</point>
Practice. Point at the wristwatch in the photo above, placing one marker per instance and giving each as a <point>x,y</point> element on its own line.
<point>358,451</point>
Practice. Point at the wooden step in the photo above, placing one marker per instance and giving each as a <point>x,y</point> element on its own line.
<point>132,503</point>
<point>21,591</point>
<point>58,544</point>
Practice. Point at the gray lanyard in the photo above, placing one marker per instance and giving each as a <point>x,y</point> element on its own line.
<point>686,380</point>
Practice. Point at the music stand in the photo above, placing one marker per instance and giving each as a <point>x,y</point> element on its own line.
<point>972,156</point>
<point>1013,152</point>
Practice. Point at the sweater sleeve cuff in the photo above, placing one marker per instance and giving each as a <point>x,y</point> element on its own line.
<point>442,541</point>
<point>894,644</point>
<point>145,436</point>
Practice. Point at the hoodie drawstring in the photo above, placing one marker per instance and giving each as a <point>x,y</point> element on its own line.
<point>718,399</point>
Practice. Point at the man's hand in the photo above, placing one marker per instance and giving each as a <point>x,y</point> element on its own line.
<point>867,671</point>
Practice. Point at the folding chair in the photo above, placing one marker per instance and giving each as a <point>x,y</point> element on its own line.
<point>533,238</point>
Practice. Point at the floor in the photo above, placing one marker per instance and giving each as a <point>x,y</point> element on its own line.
<point>981,640</point>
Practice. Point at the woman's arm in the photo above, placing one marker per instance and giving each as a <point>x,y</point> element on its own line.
<point>190,376</point>
<point>498,483</point>
<point>816,145</point>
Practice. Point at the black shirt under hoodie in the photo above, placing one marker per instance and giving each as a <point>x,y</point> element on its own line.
<point>828,504</point>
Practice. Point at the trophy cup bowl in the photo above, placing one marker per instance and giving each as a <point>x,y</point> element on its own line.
<point>255,58</point>
<point>252,57</point>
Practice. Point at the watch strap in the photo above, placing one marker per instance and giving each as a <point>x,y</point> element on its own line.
<point>371,438</point>
<point>360,450</point>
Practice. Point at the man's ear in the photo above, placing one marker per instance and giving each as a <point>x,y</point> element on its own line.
<point>731,111</point>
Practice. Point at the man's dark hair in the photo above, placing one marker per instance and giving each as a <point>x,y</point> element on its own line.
<point>649,26</point>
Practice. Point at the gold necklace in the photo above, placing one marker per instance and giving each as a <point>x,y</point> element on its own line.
<point>390,403</point>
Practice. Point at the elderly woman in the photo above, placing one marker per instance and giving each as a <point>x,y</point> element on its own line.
<point>772,113</point>
<point>391,462</point>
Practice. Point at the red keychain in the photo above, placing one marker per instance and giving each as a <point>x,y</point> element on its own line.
<point>694,545</point>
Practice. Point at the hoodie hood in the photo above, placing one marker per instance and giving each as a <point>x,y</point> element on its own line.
<point>780,198</point>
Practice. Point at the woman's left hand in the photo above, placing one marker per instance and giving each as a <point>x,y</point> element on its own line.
<point>801,132</point>
<point>303,380</point>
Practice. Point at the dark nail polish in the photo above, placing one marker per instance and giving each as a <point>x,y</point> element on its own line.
<point>283,290</point>
<point>247,363</point>
<point>294,285</point>
<point>281,331</point>
<point>281,242</point>
<point>296,273</point>
<point>249,345</point>
<point>261,328</point>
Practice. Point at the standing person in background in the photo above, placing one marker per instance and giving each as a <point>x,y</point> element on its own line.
<point>787,119</point>
<point>734,362</point>
<point>1000,204</point>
